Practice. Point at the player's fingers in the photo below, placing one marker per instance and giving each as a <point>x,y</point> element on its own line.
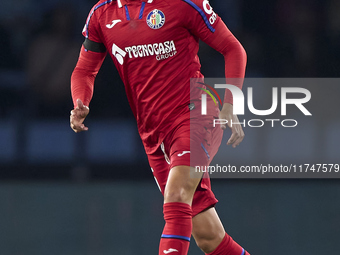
<point>80,104</point>
<point>223,117</point>
<point>233,138</point>
<point>74,119</point>
<point>75,112</point>
<point>73,127</point>
<point>236,138</point>
<point>235,134</point>
<point>83,108</point>
<point>75,123</point>
<point>238,141</point>
<point>78,114</point>
<point>84,128</point>
<point>78,127</point>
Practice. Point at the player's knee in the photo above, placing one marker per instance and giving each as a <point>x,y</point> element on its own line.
<point>208,241</point>
<point>181,195</point>
<point>180,186</point>
<point>206,245</point>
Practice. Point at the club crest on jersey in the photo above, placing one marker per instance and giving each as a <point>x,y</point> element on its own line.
<point>155,19</point>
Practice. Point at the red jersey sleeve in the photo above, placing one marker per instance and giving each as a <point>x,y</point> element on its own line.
<point>89,62</point>
<point>199,18</point>
<point>84,74</point>
<point>202,21</point>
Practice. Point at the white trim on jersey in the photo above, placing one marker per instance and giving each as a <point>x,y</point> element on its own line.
<point>150,1</point>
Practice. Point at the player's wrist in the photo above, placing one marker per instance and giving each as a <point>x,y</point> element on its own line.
<point>227,107</point>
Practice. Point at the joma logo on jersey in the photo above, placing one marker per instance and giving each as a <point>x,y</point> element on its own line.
<point>160,50</point>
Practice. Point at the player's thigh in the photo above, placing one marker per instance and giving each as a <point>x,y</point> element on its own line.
<point>181,184</point>
<point>207,229</point>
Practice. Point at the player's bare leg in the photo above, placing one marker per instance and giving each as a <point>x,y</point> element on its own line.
<point>178,195</point>
<point>181,184</point>
<point>211,237</point>
<point>207,230</point>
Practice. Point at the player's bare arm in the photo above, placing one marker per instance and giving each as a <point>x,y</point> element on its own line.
<point>235,59</point>
<point>78,116</point>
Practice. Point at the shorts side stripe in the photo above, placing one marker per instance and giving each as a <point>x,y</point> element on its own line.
<point>205,150</point>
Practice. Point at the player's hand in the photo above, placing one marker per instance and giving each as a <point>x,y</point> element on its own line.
<point>78,116</point>
<point>237,133</point>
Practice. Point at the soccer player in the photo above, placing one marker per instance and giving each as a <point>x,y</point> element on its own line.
<point>154,45</point>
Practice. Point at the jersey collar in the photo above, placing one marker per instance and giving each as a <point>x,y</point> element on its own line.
<point>121,3</point>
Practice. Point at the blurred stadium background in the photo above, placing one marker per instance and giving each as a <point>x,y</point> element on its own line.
<point>93,193</point>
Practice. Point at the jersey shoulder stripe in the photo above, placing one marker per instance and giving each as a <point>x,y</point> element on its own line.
<point>201,12</point>
<point>96,7</point>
